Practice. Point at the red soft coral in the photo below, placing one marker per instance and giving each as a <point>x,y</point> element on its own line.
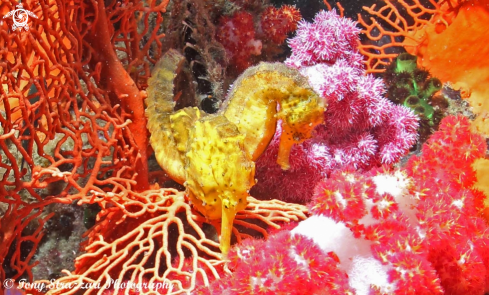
<point>454,147</point>
<point>284,264</point>
<point>276,23</point>
<point>448,209</point>
<point>420,222</point>
<point>340,197</point>
<point>237,35</point>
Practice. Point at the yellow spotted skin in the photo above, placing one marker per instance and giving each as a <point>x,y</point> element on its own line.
<point>252,106</point>
<point>159,110</point>
<point>214,156</point>
<point>219,172</point>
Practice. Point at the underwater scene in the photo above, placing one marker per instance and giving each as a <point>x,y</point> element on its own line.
<point>296,147</point>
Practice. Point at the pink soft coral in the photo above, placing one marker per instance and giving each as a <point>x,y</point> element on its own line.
<point>284,264</point>
<point>362,128</point>
<point>328,39</point>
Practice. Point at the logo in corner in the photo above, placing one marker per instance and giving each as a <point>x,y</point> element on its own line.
<point>20,16</point>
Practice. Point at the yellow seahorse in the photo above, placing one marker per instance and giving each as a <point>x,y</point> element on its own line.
<point>213,155</point>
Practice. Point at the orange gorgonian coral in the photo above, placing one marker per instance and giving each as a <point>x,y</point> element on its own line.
<point>71,116</point>
<point>73,129</point>
<point>448,40</point>
<point>157,237</point>
<point>397,24</point>
<point>449,37</point>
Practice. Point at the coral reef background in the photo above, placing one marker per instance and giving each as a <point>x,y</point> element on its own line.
<point>80,188</point>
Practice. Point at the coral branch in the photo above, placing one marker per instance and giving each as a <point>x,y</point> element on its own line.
<point>62,138</point>
<point>157,237</point>
<point>400,24</point>
<point>123,89</point>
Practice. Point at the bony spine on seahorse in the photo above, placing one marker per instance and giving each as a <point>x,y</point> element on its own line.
<point>214,155</point>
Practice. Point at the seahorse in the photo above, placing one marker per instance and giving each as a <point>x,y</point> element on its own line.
<point>213,155</point>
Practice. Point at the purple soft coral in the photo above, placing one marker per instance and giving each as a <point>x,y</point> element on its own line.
<point>362,128</point>
<point>327,40</point>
